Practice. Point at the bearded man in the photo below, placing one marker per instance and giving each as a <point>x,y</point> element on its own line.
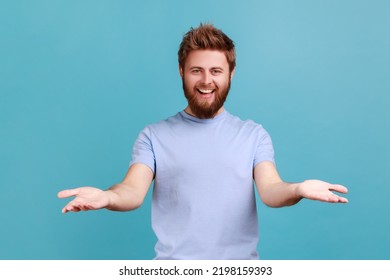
<point>204,162</point>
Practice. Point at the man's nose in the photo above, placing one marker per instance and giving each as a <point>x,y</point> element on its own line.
<point>206,78</point>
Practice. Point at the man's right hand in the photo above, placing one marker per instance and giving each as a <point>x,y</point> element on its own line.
<point>86,198</point>
<point>125,196</point>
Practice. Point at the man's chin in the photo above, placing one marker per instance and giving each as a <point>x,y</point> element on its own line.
<point>203,112</point>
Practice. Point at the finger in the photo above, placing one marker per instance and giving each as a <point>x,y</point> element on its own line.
<point>85,207</point>
<point>67,209</point>
<point>68,193</point>
<point>338,188</point>
<point>71,208</point>
<point>343,199</point>
<point>337,199</point>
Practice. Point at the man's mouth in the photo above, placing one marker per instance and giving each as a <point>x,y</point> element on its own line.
<point>205,91</point>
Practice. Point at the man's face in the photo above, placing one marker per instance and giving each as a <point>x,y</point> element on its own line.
<point>206,82</point>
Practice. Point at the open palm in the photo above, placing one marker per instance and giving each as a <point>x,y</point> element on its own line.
<point>86,198</point>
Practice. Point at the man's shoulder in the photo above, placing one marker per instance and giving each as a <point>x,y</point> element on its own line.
<point>245,123</point>
<point>164,123</point>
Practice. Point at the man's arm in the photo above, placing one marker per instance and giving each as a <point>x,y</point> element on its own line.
<point>276,193</point>
<point>125,196</point>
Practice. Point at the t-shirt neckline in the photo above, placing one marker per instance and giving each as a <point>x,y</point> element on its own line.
<point>217,118</point>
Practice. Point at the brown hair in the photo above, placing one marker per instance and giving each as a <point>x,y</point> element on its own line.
<point>204,37</point>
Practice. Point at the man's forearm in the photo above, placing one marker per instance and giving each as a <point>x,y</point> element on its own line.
<point>280,194</point>
<point>123,198</point>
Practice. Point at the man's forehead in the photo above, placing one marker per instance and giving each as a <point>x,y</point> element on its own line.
<point>209,58</point>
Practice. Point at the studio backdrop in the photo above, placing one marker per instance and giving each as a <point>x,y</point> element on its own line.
<point>80,79</point>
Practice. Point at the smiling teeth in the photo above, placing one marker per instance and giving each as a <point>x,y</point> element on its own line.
<point>205,90</point>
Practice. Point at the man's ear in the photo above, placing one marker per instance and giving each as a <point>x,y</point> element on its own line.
<point>232,73</point>
<point>181,71</point>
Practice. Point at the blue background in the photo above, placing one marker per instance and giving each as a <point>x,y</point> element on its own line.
<point>80,79</point>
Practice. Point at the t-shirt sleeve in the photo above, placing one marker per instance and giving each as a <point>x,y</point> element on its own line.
<point>143,150</point>
<point>264,150</point>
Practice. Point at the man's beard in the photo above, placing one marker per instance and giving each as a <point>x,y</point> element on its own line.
<point>204,110</point>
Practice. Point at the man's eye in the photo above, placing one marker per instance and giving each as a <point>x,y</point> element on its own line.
<point>216,71</point>
<point>195,71</point>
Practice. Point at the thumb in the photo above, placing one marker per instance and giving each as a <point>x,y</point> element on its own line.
<point>339,188</point>
<point>68,193</point>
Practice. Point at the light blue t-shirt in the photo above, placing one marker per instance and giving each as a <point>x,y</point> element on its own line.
<point>203,204</point>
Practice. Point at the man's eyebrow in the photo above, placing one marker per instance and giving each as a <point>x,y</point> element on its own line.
<point>213,68</point>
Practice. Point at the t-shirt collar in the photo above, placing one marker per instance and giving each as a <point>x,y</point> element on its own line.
<point>217,118</point>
